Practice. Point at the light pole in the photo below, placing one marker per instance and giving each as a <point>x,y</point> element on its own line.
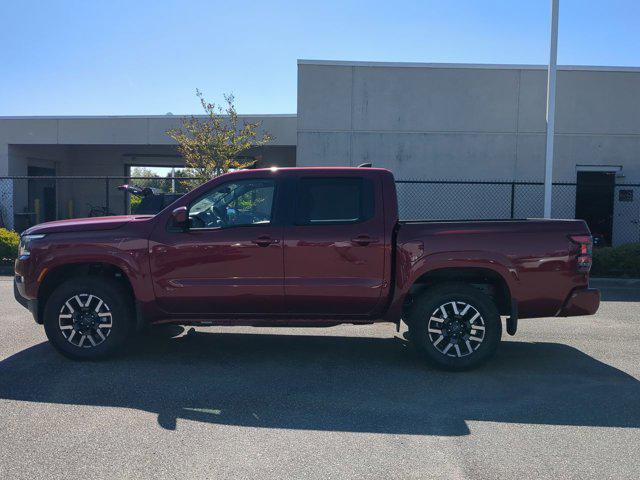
<point>551,109</point>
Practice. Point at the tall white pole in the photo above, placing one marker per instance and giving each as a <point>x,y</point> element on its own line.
<point>551,109</point>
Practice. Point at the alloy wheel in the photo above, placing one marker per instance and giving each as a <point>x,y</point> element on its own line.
<point>456,329</point>
<point>85,320</point>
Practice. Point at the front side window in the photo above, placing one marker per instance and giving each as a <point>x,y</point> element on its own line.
<point>234,204</point>
<point>334,201</point>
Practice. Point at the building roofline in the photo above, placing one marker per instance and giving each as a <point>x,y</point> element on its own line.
<point>116,117</point>
<point>487,66</point>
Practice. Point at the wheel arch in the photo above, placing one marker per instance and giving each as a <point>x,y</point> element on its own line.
<point>487,280</point>
<point>61,273</point>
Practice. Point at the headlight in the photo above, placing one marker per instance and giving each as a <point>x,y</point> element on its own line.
<point>25,244</point>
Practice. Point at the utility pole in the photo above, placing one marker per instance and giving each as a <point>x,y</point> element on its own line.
<point>551,109</point>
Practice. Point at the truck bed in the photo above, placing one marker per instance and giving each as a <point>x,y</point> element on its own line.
<point>525,251</point>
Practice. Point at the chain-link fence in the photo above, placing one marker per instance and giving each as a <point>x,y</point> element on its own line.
<point>616,223</point>
<point>26,201</point>
<point>466,200</point>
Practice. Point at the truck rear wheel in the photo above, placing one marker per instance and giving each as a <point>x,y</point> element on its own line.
<point>88,318</point>
<point>456,326</point>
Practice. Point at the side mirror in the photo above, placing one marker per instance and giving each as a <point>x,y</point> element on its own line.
<point>180,217</point>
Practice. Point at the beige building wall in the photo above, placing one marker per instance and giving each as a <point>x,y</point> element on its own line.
<point>466,122</point>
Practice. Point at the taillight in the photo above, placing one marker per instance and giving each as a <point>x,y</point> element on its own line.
<point>585,251</point>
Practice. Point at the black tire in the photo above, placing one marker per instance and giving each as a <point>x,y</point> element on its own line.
<point>116,308</point>
<point>462,350</point>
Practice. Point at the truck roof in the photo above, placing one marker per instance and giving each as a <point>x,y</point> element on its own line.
<point>316,169</point>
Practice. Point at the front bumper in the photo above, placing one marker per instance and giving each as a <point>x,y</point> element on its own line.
<point>583,301</point>
<point>18,293</point>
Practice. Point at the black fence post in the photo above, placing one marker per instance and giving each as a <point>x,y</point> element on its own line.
<point>125,197</point>
<point>513,199</point>
<point>106,184</point>
<point>56,199</point>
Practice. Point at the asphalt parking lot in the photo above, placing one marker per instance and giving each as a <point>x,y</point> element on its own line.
<point>560,400</point>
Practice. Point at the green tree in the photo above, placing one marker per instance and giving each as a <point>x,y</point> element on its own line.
<point>149,175</point>
<point>213,144</point>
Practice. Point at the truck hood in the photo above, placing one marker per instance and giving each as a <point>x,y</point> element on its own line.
<point>84,224</point>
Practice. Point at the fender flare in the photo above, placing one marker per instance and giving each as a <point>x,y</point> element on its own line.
<point>128,267</point>
<point>495,262</point>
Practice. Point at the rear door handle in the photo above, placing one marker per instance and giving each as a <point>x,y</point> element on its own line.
<point>363,240</point>
<point>264,241</point>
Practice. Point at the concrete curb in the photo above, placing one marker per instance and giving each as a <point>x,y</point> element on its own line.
<point>615,282</point>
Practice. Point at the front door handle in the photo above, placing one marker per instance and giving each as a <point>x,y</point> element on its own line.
<point>264,241</point>
<point>363,240</point>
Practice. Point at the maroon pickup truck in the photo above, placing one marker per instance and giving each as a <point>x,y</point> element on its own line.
<point>301,247</point>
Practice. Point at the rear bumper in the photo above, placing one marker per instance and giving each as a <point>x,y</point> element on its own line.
<point>584,301</point>
<point>19,294</point>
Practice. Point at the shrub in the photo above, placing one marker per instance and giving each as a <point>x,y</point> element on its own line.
<point>134,202</point>
<point>622,261</point>
<point>9,241</point>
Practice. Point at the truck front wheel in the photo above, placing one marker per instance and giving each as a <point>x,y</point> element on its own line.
<point>456,326</point>
<point>88,318</point>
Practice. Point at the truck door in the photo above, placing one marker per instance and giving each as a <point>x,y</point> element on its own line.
<point>229,260</point>
<point>334,246</point>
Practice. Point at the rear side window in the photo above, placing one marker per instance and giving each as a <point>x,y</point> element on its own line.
<point>322,201</point>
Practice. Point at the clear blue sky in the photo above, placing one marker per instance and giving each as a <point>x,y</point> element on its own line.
<point>114,57</point>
